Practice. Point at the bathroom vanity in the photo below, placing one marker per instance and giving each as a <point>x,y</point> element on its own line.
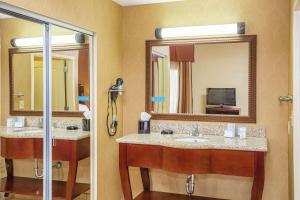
<point>185,154</point>
<point>27,143</point>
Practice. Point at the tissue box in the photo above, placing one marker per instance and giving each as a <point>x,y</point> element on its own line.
<point>144,127</point>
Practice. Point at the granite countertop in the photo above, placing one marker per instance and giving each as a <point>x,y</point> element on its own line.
<point>35,132</point>
<point>209,142</point>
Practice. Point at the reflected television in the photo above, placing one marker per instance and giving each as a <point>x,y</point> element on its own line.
<point>221,96</point>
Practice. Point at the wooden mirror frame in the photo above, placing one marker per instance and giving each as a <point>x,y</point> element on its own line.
<point>13,51</point>
<point>250,118</point>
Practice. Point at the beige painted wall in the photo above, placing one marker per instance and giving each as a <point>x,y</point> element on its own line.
<point>268,19</point>
<point>210,60</point>
<point>104,18</point>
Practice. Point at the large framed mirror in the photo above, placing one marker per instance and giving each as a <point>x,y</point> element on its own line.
<point>207,79</point>
<point>70,80</point>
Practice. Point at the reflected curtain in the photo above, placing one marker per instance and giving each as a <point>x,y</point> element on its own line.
<point>183,55</point>
<point>160,84</point>
<point>185,88</point>
<point>174,87</point>
<point>155,79</point>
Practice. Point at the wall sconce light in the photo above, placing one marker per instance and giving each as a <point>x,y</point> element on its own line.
<point>56,40</point>
<point>193,31</point>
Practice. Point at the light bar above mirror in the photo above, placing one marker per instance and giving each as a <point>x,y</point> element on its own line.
<point>196,31</point>
<point>56,40</point>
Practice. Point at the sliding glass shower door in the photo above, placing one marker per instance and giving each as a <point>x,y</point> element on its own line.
<point>21,137</point>
<point>71,90</point>
<point>48,65</point>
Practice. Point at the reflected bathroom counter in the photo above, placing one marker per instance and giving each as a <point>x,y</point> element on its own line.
<point>189,142</point>
<point>35,132</point>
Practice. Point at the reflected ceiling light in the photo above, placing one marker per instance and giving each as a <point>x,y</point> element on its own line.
<point>56,40</point>
<point>193,31</point>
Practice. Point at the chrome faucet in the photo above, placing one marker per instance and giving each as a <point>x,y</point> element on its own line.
<point>41,123</point>
<point>196,131</point>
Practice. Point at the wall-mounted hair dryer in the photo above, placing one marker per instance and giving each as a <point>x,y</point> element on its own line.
<point>113,93</point>
<point>116,89</point>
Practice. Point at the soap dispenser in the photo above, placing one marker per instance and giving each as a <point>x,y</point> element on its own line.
<point>230,131</point>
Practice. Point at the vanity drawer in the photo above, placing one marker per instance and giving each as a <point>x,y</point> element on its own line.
<point>238,163</point>
<point>148,156</point>
<point>187,161</point>
<point>17,148</point>
<point>65,150</point>
<point>61,149</point>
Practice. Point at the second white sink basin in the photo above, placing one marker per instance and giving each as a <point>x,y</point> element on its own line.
<point>191,139</point>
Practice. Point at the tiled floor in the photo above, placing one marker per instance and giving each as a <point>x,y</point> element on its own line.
<point>85,196</point>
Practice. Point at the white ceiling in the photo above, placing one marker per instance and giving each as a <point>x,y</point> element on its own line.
<point>141,2</point>
<point>3,16</point>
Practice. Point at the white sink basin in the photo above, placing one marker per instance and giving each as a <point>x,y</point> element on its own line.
<point>191,139</point>
<point>28,130</point>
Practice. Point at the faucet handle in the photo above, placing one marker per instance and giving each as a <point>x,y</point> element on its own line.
<point>54,124</point>
<point>196,128</point>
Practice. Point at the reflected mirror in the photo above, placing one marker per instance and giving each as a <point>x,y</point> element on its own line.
<point>70,79</point>
<point>205,79</point>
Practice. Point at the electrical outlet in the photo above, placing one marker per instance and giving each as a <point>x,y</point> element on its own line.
<point>21,104</point>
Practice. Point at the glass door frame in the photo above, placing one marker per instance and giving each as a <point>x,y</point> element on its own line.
<point>47,90</point>
<point>47,113</point>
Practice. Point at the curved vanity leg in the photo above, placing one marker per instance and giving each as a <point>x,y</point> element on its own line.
<point>9,168</point>
<point>259,176</point>
<point>10,174</point>
<point>145,178</point>
<point>124,172</point>
<point>73,165</point>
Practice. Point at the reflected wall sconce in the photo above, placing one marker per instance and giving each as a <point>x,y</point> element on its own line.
<point>56,40</point>
<point>194,31</point>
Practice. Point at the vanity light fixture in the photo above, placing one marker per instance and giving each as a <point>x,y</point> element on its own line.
<point>56,40</point>
<point>193,31</point>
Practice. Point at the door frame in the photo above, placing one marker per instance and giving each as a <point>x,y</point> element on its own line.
<point>296,98</point>
<point>47,21</point>
<point>54,55</point>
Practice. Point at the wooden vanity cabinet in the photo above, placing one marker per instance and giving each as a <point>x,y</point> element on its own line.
<point>15,148</point>
<point>32,148</point>
<point>235,163</point>
<point>188,161</point>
